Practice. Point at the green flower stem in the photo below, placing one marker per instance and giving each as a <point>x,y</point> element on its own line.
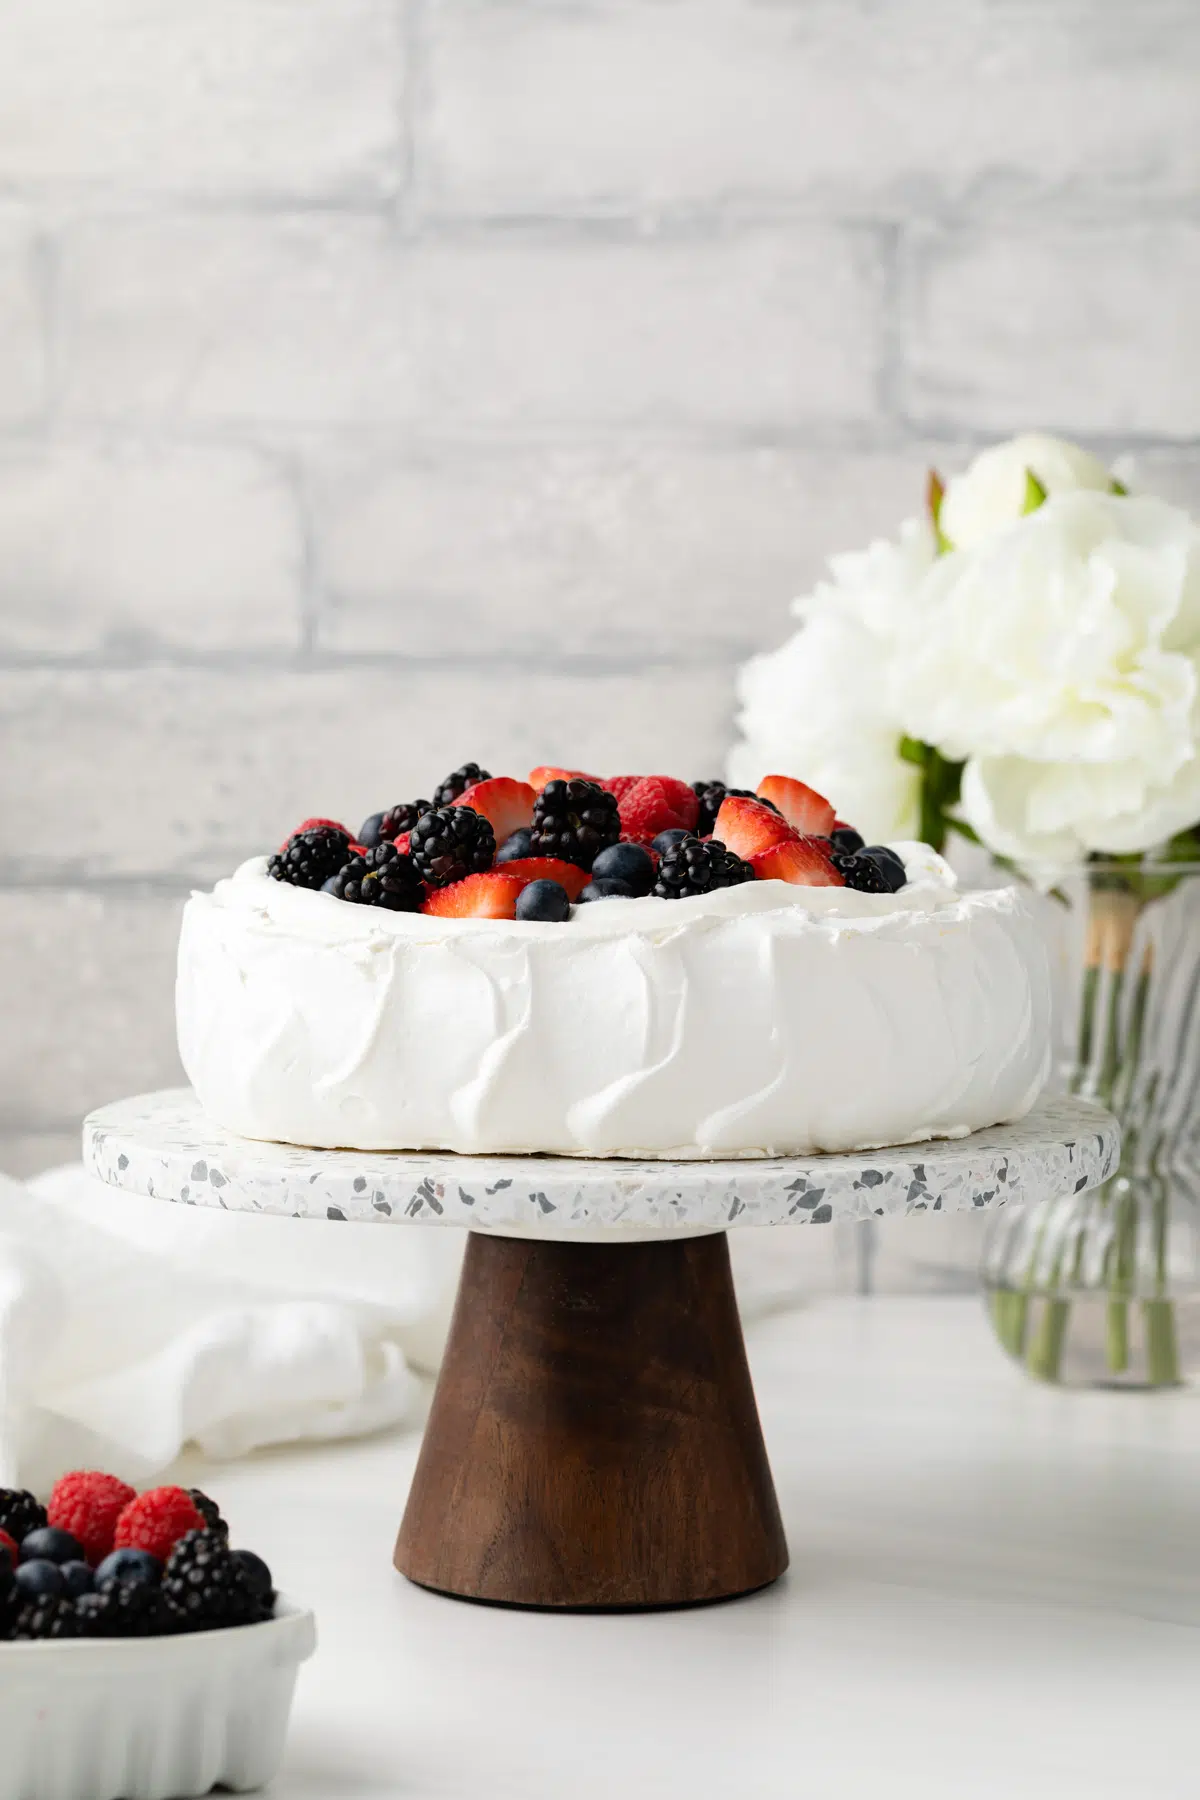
<point>1045,1352</point>
<point>1158,1315</point>
<point>1162,1346</point>
<point>1087,1022</point>
<point>1010,1315</point>
<point>1116,1337</point>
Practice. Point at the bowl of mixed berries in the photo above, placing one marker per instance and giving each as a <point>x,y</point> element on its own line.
<point>142,1655</point>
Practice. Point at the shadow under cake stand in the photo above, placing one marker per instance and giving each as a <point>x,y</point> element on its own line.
<point>594,1440</point>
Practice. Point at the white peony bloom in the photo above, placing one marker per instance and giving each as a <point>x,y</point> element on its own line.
<point>819,708</point>
<point>1061,658</point>
<point>991,493</point>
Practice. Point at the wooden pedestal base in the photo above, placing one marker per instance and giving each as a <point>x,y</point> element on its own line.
<point>594,1440</point>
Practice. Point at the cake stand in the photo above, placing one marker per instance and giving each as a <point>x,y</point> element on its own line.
<point>593,1440</point>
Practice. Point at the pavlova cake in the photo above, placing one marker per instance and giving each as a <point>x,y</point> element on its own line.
<point>629,966</point>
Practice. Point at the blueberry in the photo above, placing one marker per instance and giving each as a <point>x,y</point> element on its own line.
<point>667,840</point>
<point>368,837</point>
<point>846,838</point>
<point>258,1576</point>
<point>606,890</point>
<point>51,1545</point>
<point>628,863</point>
<point>130,1566</point>
<point>514,846</point>
<point>889,864</point>
<point>39,1579</point>
<point>77,1579</point>
<point>543,900</point>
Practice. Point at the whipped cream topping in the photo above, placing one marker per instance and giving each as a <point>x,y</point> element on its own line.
<point>759,1020</point>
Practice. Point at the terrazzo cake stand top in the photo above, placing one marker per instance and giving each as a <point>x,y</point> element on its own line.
<point>593,1440</point>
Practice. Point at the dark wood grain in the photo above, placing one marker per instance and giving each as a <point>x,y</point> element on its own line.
<point>594,1439</point>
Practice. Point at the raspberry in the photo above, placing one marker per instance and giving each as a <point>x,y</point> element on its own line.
<point>657,803</point>
<point>156,1521</point>
<point>619,785</point>
<point>88,1504</point>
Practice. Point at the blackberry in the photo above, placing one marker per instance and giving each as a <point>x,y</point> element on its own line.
<point>309,858</point>
<point>860,872</point>
<point>382,827</point>
<point>208,1509</point>
<point>206,1587</point>
<point>844,837</point>
<point>125,1609</point>
<point>20,1513</point>
<point>10,1600</point>
<point>383,877</point>
<point>458,783</point>
<point>49,1617</point>
<point>574,820</point>
<point>692,867</point>
<point>885,859</point>
<point>450,842</point>
<point>710,795</point>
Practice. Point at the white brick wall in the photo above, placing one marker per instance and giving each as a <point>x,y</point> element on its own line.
<point>310,321</point>
<point>538,104</point>
<point>133,549</point>
<point>22,340</point>
<point>385,382</point>
<point>1089,327</point>
<point>243,97</point>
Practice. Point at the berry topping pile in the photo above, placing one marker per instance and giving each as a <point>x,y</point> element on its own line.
<point>102,1561</point>
<point>495,847</point>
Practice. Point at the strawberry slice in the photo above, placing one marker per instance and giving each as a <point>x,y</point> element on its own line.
<point>805,810</point>
<point>487,896</point>
<point>540,776</point>
<point>657,803</point>
<point>803,861</point>
<point>747,828</point>
<point>402,842</point>
<point>506,804</point>
<point>548,868</point>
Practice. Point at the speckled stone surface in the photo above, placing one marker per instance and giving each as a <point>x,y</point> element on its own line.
<point>163,1145</point>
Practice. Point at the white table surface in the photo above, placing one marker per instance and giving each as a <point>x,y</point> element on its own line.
<point>994,1593</point>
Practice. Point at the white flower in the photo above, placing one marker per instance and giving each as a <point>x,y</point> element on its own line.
<point>1061,658</point>
<point>992,492</point>
<point>819,708</point>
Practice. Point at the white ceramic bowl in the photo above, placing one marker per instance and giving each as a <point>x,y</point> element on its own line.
<point>149,1718</point>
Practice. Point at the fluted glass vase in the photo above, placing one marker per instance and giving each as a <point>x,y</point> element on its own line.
<point>1103,1288</point>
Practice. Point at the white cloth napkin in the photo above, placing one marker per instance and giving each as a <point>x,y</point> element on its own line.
<point>129,1328</point>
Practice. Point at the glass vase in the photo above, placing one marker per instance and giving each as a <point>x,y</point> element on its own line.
<point>1103,1288</point>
